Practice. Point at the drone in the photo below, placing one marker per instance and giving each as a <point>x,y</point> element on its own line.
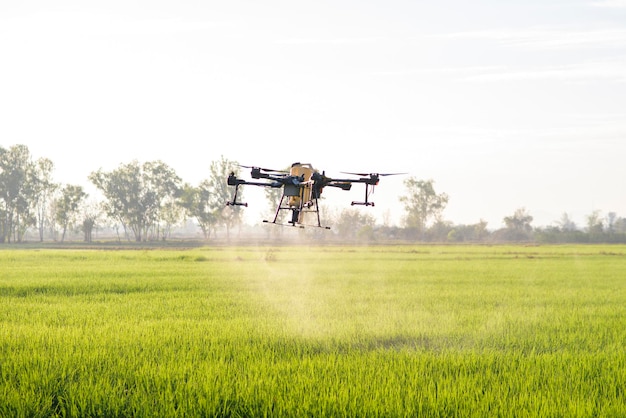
<point>302,186</point>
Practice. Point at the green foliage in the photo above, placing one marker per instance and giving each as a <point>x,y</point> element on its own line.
<point>518,227</point>
<point>422,204</point>
<point>519,221</point>
<point>321,331</point>
<point>352,224</point>
<point>43,192</point>
<point>22,185</point>
<point>469,233</point>
<point>197,203</point>
<point>67,206</point>
<point>221,194</point>
<point>207,203</point>
<point>137,193</point>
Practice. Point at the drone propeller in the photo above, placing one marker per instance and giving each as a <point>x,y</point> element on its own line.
<point>391,174</point>
<point>374,174</point>
<point>267,170</point>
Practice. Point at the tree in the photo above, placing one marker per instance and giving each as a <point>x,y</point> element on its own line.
<point>171,214</point>
<point>352,224</point>
<point>18,186</point>
<point>518,226</point>
<point>480,230</point>
<point>472,232</point>
<point>439,231</point>
<point>611,220</point>
<point>197,203</point>
<point>519,221</point>
<point>43,191</point>
<point>91,213</point>
<point>594,223</point>
<point>67,206</point>
<point>221,193</point>
<point>422,204</point>
<point>136,193</point>
<point>620,225</point>
<point>566,224</point>
<point>163,184</point>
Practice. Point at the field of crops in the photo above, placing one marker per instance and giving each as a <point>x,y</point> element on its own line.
<point>314,331</point>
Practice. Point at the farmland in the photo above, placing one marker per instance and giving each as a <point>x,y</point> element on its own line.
<point>314,331</point>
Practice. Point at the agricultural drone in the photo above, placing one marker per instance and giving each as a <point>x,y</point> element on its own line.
<point>302,186</point>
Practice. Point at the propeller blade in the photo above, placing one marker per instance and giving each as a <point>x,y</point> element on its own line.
<point>356,174</point>
<point>392,174</point>
<point>374,174</point>
<point>267,170</point>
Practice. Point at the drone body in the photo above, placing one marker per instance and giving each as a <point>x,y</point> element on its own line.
<point>302,187</point>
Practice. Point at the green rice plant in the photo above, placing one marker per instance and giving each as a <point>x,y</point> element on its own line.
<point>314,331</point>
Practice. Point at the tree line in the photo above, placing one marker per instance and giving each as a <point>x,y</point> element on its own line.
<point>147,201</point>
<point>142,201</point>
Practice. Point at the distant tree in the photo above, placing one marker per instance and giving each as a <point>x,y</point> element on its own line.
<point>352,223</point>
<point>67,206</point>
<point>43,191</point>
<point>595,225</point>
<point>136,193</point>
<point>518,226</point>
<point>422,204</point>
<point>221,193</point>
<point>611,220</point>
<point>620,225</point>
<point>480,230</point>
<point>519,221</point>
<point>197,204</point>
<point>171,215</point>
<point>91,213</point>
<point>474,232</point>
<point>18,191</point>
<point>566,224</point>
<point>439,231</point>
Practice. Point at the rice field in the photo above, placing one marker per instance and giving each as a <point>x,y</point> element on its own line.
<point>390,331</point>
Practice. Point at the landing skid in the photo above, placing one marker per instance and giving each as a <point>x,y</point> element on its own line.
<point>297,213</point>
<point>296,225</point>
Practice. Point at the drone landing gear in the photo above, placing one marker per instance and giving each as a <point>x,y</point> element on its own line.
<point>368,192</point>
<point>282,224</point>
<point>234,202</point>
<point>297,214</point>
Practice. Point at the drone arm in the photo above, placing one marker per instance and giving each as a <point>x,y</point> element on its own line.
<point>341,185</point>
<point>234,181</point>
<point>256,173</point>
<point>372,181</point>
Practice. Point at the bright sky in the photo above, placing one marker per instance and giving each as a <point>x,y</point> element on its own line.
<point>505,104</point>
